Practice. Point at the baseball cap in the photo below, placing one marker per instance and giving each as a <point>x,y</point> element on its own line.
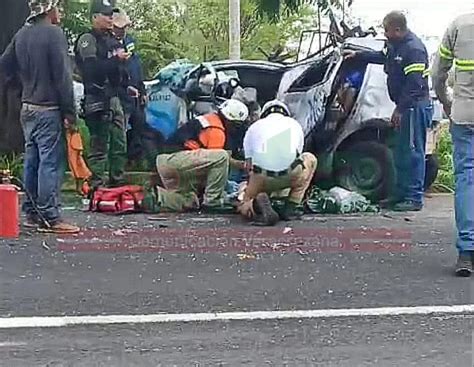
<point>121,19</point>
<point>105,7</point>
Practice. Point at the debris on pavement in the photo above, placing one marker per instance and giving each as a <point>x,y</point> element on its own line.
<point>123,232</point>
<point>44,244</point>
<point>157,219</point>
<point>338,201</point>
<point>276,246</point>
<point>315,219</point>
<point>301,252</point>
<point>203,220</point>
<point>246,256</point>
<point>287,230</point>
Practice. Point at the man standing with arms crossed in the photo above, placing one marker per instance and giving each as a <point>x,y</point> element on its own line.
<point>406,63</point>
<point>100,59</point>
<point>38,54</point>
<point>457,48</point>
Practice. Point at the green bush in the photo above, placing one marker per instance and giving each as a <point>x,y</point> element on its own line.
<point>12,162</point>
<point>445,155</point>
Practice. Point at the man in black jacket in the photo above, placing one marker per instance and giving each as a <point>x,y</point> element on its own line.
<point>100,59</point>
<point>38,55</point>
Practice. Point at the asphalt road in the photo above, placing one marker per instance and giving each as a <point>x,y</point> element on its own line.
<point>183,264</point>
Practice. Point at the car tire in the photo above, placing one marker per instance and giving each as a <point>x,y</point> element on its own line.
<point>366,167</point>
<point>432,168</point>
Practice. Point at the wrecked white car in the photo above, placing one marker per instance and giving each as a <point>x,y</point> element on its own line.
<point>346,124</point>
<point>343,107</point>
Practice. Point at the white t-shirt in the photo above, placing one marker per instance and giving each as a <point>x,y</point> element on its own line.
<point>273,143</point>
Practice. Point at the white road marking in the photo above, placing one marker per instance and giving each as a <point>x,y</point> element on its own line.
<point>62,321</point>
<point>12,344</point>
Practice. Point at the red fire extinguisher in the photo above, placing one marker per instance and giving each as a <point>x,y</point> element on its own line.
<point>9,207</point>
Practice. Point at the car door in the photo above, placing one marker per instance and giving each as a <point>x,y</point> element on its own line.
<point>306,89</point>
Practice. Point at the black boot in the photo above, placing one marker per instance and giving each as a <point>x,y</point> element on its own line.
<point>388,203</point>
<point>265,214</point>
<point>407,206</point>
<point>291,211</point>
<point>464,265</point>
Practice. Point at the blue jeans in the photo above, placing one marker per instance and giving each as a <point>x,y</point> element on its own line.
<point>410,152</point>
<point>43,163</point>
<point>463,155</point>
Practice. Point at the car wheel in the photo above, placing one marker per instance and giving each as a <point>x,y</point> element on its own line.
<point>367,168</point>
<point>432,167</point>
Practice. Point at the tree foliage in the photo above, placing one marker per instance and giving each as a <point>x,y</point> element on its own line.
<point>274,8</point>
<point>76,18</point>
<point>198,30</point>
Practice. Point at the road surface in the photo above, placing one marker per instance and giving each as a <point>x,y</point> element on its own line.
<point>198,271</point>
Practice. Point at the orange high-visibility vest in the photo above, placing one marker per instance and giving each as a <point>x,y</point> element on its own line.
<point>212,135</point>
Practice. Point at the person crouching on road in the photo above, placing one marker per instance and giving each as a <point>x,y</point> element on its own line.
<point>38,54</point>
<point>203,164</point>
<point>273,148</point>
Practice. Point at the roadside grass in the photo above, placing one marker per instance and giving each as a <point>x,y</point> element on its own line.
<point>12,162</point>
<point>445,180</point>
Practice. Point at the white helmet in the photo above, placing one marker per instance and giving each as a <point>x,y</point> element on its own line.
<point>275,106</point>
<point>234,110</point>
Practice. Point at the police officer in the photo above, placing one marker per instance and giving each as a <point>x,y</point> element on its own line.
<point>100,60</point>
<point>406,64</point>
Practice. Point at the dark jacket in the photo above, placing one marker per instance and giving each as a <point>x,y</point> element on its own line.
<point>134,73</point>
<point>134,65</point>
<point>406,64</point>
<point>38,54</point>
<point>101,70</point>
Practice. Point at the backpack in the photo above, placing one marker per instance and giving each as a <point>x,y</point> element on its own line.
<point>118,200</point>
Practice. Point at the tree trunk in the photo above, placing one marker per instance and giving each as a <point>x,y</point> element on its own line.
<point>12,17</point>
<point>234,29</point>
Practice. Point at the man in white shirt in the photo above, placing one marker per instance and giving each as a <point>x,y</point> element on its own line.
<point>275,161</point>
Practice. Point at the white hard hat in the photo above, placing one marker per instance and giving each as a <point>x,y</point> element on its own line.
<point>275,106</point>
<point>234,110</point>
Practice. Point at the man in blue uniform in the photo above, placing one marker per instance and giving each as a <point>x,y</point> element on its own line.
<point>133,103</point>
<point>406,63</point>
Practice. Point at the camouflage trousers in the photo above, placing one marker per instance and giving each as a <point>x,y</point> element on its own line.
<point>108,146</point>
<point>291,186</point>
<point>186,174</point>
